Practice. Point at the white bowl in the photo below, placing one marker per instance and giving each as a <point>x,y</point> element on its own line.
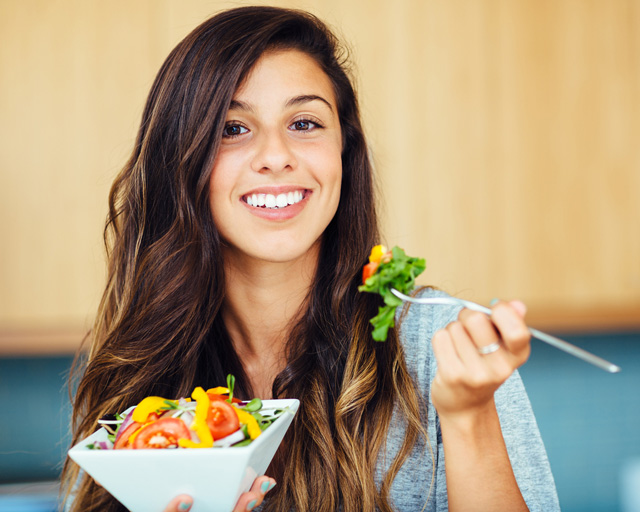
<point>146,480</point>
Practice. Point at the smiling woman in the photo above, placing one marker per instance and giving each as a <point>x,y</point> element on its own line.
<point>281,144</point>
<point>237,231</point>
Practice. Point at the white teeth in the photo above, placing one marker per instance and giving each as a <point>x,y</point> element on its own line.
<point>281,200</point>
<point>272,201</point>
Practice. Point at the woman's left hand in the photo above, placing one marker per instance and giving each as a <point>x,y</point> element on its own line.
<point>467,378</point>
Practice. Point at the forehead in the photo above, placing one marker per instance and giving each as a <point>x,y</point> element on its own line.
<point>280,74</point>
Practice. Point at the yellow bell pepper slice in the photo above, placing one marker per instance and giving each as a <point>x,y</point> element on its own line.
<point>199,425</point>
<point>218,390</point>
<point>377,253</point>
<point>252,425</point>
<point>147,406</point>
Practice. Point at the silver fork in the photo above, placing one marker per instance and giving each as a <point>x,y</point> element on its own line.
<point>547,338</point>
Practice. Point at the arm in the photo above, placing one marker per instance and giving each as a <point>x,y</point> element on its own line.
<point>478,470</point>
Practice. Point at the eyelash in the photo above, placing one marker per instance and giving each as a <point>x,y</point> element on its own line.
<point>235,124</point>
<point>307,120</point>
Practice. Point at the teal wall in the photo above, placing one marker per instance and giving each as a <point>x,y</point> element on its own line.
<point>589,419</point>
<point>34,417</point>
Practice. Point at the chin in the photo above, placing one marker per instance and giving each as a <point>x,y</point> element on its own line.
<point>275,250</point>
<point>284,254</point>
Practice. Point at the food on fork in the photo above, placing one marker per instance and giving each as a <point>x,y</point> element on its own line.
<point>385,271</point>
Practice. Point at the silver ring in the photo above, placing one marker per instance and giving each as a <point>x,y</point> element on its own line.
<point>489,349</point>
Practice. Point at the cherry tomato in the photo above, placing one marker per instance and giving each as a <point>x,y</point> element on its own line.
<point>122,439</point>
<point>222,420</point>
<point>368,270</point>
<point>215,396</point>
<point>163,433</point>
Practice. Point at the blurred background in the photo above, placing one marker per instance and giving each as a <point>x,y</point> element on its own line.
<point>506,139</point>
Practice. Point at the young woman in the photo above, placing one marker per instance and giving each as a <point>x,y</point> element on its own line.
<point>237,234</point>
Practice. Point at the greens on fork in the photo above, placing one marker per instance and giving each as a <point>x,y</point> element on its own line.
<point>392,275</point>
<point>388,270</point>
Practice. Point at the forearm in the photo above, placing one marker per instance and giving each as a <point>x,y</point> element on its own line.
<point>479,473</point>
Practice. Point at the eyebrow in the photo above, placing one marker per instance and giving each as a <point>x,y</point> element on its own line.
<point>307,98</point>
<point>297,100</point>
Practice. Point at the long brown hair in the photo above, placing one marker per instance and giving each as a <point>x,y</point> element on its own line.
<point>158,330</point>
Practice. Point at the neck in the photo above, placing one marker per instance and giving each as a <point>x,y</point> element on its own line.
<point>263,301</point>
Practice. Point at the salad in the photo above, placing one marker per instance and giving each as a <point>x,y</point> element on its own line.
<point>211,418</point>
<point>387,270</point>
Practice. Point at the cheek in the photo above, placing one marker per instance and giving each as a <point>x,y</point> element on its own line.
<point>334,174</point>
<point>220,186</point>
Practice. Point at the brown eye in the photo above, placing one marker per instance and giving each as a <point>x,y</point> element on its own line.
<point>301,125</point>
<point>304,125</point>
<point>233,130</point>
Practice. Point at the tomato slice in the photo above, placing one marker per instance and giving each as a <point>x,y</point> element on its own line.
<point>122,441</point>
<point>163,433</point>
<point>222,420</point>
<point>368,270</point>
<point>216,396</point>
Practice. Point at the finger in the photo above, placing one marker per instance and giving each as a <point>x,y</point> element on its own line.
<point>483,370</point>
<point>480,329</point>
<point>497,364</point>
<point>513,330</point>
<point>254,496</point>
<point>464,345</point>
<point>519,306</point>
<point>444,350</point>
<point>181,503</point>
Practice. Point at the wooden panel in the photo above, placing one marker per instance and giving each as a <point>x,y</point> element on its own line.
<point>25,341</point>
<point>505,137</point>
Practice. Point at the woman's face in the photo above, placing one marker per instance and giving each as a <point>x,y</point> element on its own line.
<point>275,184</point>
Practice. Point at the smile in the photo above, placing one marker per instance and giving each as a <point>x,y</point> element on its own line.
<point>274,201</point>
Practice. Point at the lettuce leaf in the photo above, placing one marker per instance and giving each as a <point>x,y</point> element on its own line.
<point>399,272</point>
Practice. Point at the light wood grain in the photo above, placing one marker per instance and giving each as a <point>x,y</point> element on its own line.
<point>505,137</point>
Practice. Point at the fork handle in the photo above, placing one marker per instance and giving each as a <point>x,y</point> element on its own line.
<point>542,336</point>
<point>575,351</point>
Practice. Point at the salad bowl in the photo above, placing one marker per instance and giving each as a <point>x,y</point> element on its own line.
<point>146,480</point>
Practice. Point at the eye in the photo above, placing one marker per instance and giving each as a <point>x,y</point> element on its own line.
<point>304,125</point>
<point>232,130</point>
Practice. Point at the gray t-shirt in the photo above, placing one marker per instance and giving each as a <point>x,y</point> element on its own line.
<point>417,481</point>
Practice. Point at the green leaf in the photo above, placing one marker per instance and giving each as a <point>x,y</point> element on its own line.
<point>253,405</point>
<point>399,272</point>
<point>169,405</point>
<point>231,382</point>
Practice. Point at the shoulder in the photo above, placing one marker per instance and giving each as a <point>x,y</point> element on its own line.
<point>425,319</point>
<point>416,324</point>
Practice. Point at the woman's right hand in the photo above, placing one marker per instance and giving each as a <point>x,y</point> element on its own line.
<point>247,501</point>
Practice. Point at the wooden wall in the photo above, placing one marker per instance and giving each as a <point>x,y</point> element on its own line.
<point>506,137</point>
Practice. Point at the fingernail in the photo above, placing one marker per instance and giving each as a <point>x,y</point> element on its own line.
<point>252,504</point>
<point>265,486</point>
<point>184,506</point>
<point>494,302</point>
<point>271,486</point>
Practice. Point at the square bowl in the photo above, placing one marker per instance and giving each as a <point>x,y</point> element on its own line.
<point>144,480</point>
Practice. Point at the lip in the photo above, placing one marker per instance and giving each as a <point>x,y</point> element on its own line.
<point>277,214</point>
<point>275,190</point>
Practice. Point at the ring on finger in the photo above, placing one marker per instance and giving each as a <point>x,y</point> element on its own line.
<point>489,349</point>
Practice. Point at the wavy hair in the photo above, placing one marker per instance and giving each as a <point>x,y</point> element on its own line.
<point>159,330</point>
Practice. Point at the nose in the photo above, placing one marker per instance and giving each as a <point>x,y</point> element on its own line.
<point>273,153</point>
